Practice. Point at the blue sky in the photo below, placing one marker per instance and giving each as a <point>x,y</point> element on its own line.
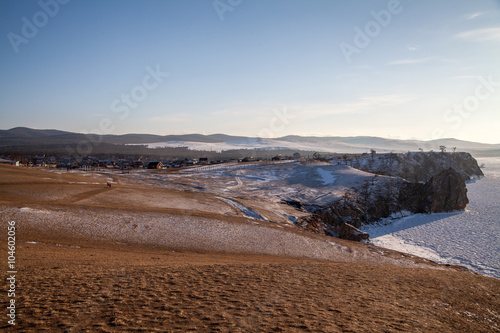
<point>397,69</point>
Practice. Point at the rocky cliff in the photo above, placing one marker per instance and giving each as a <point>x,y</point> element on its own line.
<point>444,192</point>
<point>419,166</point>
<point>379,199</point>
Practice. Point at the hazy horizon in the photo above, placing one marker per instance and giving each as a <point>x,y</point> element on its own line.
<point>253,137</point>
<point>390,69</point>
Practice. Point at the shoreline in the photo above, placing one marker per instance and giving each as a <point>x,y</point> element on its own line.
<point>87,262</point>
<point>431,236</point>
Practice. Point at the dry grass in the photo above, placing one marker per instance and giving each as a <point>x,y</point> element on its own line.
<point>110,287</point>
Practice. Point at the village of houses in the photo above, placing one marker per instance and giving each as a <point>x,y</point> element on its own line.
<point>90,163</point>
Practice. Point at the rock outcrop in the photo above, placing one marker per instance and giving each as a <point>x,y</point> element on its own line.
<point>420,166</point>
<point>347,231</point>
<point>444,192</point>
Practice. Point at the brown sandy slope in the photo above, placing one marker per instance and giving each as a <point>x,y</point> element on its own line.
<point>100,284</point>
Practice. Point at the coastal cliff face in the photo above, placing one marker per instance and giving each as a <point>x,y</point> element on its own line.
<point>444,192</point>
<point>382,197</point>
<point>420,166</point>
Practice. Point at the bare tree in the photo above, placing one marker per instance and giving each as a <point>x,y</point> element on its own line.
<point>364,192</point>
<point>392,158</point>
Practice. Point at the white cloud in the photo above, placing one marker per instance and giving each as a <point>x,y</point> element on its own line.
<point>347,76</point>
<point>467,77</point>
<point>388,99</point>
<point>284,118</point>
<point>362,104</point>
<point>473,15</point>
<point>233,112</point>
<point>171,118</point>
<point>411,61</point>
<point>481,35</point>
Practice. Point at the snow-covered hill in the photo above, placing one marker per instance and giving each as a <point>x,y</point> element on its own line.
<point>341,145</point>
<point>27,139</point>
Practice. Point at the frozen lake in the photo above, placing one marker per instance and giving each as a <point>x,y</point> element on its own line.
<point>470,238</point>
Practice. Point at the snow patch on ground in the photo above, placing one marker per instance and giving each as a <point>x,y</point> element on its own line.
<point>250,143</point>
<point>63,245</point>
<point>327,177</point>
<point>245,210</point>
<point>393,242</point>
<point>268,144</point>
<point>188,233</point>
<point>32,210</point>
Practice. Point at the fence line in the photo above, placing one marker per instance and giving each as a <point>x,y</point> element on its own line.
<point>234,165</point>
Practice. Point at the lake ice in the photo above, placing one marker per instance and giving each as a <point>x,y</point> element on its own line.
<point>470,238</point>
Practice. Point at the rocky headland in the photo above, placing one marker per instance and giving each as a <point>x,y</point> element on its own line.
<point>419,183</point>
<point>419,166</point>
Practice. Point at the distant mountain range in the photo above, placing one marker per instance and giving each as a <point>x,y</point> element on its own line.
<point>24,134</point>
<point>25,139</point>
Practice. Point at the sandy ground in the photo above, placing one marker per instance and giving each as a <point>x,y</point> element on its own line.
<point>111,260</point>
